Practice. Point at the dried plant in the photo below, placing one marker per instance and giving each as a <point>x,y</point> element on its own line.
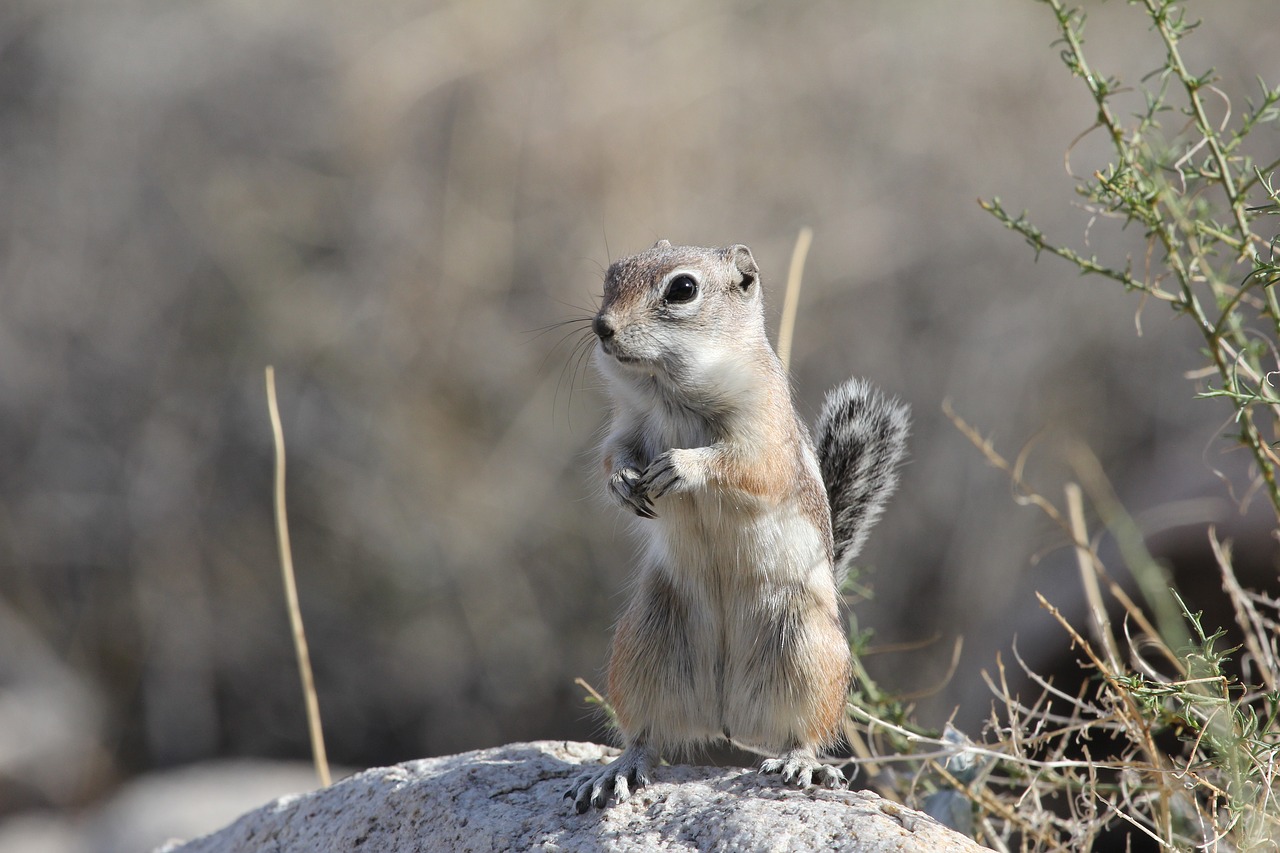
<point>1173,737</point>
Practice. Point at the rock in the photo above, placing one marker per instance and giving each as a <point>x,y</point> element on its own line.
<point>511,798</point>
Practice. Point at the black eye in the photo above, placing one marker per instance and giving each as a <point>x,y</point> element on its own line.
<point>682,288</point>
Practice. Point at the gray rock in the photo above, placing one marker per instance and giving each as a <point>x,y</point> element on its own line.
<point>511,798</point>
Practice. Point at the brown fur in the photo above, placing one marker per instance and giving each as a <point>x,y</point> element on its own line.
<point>733,627</point>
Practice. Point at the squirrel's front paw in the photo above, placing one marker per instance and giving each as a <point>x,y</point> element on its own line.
<point>673,471</point>
<point>625,489</point>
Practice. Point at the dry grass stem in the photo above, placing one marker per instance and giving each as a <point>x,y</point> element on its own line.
<point>791,302</point>
<point>1099,622</point>
<point>291,593</point>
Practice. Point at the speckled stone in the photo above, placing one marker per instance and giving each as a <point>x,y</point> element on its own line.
<point>511,798</point>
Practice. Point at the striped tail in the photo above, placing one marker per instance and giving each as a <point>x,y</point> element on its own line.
<point>861,439</point>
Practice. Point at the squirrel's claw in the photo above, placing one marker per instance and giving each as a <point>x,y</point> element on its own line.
<point>661,476</point>
<point>625,489</point>
<point>800,769</point>
<point>628,772</point>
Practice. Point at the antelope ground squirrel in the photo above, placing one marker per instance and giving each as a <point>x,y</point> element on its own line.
<point>733,629</point>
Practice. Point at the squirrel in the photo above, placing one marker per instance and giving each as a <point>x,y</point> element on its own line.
<point>733,630</point>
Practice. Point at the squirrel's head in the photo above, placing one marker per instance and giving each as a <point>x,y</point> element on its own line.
<point>686,316</point>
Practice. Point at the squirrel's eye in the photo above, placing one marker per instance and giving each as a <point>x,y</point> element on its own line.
<point>682,288</point>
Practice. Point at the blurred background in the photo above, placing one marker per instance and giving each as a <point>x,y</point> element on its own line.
<point>390,202</point>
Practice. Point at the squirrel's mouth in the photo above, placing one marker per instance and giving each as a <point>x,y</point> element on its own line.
<point>610,348</point>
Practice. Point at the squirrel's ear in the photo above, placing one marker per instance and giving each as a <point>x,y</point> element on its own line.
<point>662,244</point>
<point>745,265</point>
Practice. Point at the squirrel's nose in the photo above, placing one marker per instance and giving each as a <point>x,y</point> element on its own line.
<point>602,327</point>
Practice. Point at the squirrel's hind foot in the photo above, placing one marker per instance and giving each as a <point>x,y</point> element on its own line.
<point>627,772</point>
<point>801,768</point>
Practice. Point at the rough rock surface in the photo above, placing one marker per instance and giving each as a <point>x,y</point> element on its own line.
<point>511,798</point>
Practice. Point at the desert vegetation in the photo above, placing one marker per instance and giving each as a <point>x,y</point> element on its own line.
<point>1171,739</point>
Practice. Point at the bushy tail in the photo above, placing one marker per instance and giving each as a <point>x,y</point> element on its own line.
<point>861,438</point>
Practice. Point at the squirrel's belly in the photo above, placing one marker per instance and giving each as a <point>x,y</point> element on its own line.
<point>786,674</point>
<point>761,590</point>
<point>722,539</point>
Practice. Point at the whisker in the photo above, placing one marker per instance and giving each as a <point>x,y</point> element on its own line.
<point>582,362</point>
<point>539,331</point>
<point>590,310</point>
<point>559,343</point>
<point>575,363</point>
